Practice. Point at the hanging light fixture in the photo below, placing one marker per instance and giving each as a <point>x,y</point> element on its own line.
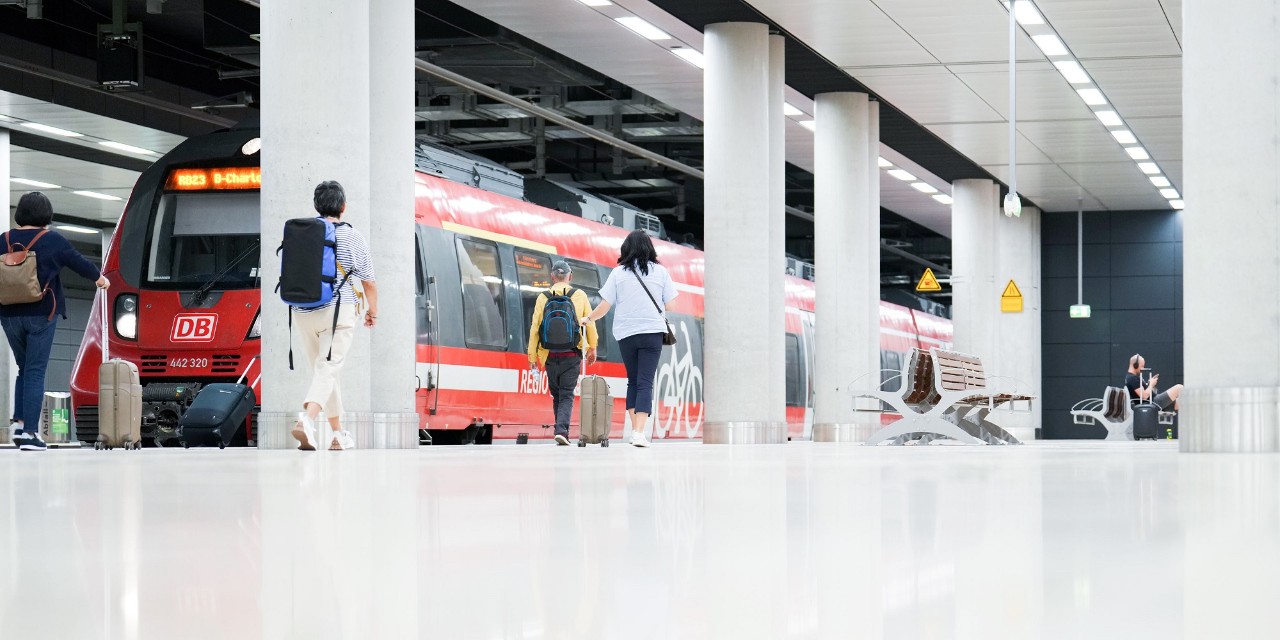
<point>1012,203</point>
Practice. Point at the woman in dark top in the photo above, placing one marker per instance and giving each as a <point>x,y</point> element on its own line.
<point>30,327</point>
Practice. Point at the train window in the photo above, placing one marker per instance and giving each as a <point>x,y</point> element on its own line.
<point>585,276</point>
<point>420,274</point>
<point>533,270</point>
<point>795,390</point>
<point>197,237</point>
<point>483,300</point>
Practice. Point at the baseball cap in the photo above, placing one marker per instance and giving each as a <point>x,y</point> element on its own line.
<point>561,267</point>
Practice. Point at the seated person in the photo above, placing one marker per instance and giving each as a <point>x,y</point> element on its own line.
<point>1149,392</point>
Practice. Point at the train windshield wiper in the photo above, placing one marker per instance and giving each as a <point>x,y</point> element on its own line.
<point>198,297</point>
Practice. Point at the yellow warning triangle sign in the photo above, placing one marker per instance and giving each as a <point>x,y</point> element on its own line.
<point>928,281</point>
<point>1011,291</point>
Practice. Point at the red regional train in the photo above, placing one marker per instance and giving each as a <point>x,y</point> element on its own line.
<point>184,305</point>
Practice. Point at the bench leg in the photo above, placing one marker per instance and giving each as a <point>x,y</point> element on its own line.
<point>1119,432</point>
<point>922,424</point>
<point>991,430</point>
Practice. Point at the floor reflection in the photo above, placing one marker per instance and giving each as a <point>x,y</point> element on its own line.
<point>1072,540</point>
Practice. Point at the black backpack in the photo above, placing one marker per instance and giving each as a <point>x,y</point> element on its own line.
<point>560,330</point>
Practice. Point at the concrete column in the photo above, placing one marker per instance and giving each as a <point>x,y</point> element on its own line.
<point>342,119</point>
<point>8,368</point>
<point>777,368</point>
<point>846,259</point>
<point>1232,154</point>
<point>1017,352</point>
<point>975,301</point>
<point>392,229</point>
<point>737,236</point>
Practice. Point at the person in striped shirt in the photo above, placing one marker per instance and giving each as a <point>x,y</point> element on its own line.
<point>316,325</point>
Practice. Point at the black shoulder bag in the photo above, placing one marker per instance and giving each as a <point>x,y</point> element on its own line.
<point>670,338</point>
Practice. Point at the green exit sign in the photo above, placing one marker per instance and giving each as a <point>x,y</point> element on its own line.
<point>1081,311</point>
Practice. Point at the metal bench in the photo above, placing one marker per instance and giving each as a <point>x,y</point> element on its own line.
<point>944,394</point>
<point>1114,410</point>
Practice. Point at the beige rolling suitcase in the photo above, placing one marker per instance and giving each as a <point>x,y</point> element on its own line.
<point>119,398</point>
<point>595,411</point>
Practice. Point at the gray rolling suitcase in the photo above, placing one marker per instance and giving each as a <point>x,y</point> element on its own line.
<point>595,409</point>
<point>119,398</point>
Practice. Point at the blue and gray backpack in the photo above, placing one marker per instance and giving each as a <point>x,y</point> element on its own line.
<point>560,330</point>
<point>309,268</point>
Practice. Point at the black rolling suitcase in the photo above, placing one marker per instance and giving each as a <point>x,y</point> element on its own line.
<point>217,413</point>
<point>1146,422</point>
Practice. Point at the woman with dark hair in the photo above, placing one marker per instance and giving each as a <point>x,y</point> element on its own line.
<point>640,288</point>
<point>30,327</point>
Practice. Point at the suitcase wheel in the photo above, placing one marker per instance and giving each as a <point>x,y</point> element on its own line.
<point>604,443</point>
<point>97,446</point>
<point>222,445</point>
<point>582,442</point>
<point>186,445</point>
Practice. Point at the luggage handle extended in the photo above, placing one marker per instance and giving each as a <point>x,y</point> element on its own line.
<point>247,367</point>
<point>106,328</point>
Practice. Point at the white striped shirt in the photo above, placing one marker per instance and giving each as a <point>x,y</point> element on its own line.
<point>352,253</point>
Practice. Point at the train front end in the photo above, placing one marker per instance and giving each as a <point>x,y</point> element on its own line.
<point>184,300</point>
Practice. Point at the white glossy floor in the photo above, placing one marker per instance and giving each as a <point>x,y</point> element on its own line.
<point>1074,540</point>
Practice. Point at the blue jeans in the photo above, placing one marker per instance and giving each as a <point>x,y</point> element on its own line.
<point>31,340</point>
<point>640,354</point>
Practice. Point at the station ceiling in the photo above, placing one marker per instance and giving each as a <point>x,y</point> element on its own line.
<point>938,67</point>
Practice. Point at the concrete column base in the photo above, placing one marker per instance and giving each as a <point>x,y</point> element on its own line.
<point>370,430</point>
<point>1229,420</point>
<point>272,430</point>
<point>391,431</point>
<point>844,432</point>
<point>744,433</point>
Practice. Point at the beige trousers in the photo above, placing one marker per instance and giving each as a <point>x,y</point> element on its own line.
<point>314,330</point>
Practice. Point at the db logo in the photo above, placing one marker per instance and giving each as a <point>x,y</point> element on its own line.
<point>195,327</point>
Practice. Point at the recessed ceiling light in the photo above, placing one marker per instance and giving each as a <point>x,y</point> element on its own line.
<point>1091,96</point>
<point>902,175</point>
<point>1148,167</point>
<point>923,187</point>
<point>1177,204</point>
<point>1072,71</point>
<point>127,148</point>
<point>642,27</point>
<point>1170,194</point>
<point>884,164</point>
<point>808,124</point>
<point>1160,181</point>
<point>1109,118</point>
<point>943,198</point>
<point>97,196</point>
<point>35,183</point>
<point>52,130</point>
<point>1123,136</point>
<point>1050,45</point>
<point>790,110</point>
<point>75,228</point>
<point>692,56</point>
<point>1137,153</point>
<point>596,3</point>
<point>1026,13</point>
<point>251,147</point>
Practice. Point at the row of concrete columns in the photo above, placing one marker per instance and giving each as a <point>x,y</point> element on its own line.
<point>356,127</point>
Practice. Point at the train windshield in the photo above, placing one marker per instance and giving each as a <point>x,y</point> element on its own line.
<point>196,237</point>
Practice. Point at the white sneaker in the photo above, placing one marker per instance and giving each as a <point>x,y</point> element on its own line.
<point>304,431</point>
<point>341,440</point>
<point>638,439</point>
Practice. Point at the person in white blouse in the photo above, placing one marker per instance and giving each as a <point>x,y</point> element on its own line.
<point>638,290</point>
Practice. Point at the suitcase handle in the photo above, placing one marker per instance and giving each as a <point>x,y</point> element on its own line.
<point>106,327</point>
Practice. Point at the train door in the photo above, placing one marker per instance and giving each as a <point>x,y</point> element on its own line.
<point>427,300</point>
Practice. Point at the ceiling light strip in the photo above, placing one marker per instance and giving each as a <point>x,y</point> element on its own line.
<point>1051,44</point>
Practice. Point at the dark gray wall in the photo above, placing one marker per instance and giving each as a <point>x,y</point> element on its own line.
<point>1133,281</point>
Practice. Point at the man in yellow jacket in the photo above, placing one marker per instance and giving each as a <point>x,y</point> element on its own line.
<point>561,362</point>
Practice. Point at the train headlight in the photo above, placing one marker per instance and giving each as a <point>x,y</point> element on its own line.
<point>127,316</point>
<point>255,331</point>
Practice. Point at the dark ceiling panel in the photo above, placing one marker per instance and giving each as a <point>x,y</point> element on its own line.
<point>811,74</point>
